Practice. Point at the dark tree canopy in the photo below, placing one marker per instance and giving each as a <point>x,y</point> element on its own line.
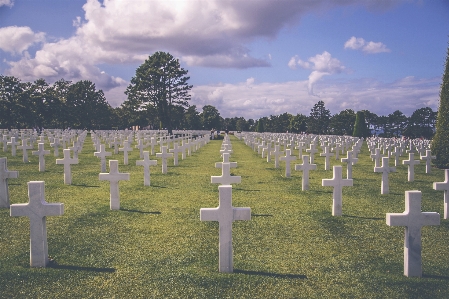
<point>160,82</point>
<point>360,127</point>
<point>343,122</point>
<point>440,142</point>
<point>319,119</point>
<point>211,118</point>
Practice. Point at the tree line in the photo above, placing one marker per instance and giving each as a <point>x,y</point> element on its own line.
<point>158,98</point>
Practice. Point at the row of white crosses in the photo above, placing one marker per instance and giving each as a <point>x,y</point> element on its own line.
<point>41,152</point>
<point>37,209</point>
<point>225,213</point>
<point>164,142</point>
<point>413,218</point>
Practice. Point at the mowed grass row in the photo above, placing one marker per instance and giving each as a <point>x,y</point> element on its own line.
<point>156,246</point>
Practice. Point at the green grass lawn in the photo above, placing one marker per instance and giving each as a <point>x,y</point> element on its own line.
<point>156,246</point>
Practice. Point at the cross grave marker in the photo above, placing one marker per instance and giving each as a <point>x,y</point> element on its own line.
<point>67,161</point>
<point>41,152</point>
<point>146,163</point>
<point>445,187</point>
<point>37,209</point>
<point>338,183</point>
<point>413,220</point>
<point>225,214</point>
<point>5,174</point>
<point>114,176</point>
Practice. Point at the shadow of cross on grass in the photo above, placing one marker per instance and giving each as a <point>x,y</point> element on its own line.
<point>275,275</point>
<point>137,211</point>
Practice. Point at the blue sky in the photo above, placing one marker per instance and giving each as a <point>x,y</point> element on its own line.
<point>249,58</point>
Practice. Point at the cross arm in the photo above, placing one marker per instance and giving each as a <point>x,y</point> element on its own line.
<point>209,214</point>
<point>241,214</point>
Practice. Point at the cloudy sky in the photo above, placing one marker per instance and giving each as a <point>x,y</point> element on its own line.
<point>249,58</point>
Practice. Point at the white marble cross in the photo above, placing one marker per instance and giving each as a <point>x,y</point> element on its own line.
<point>13,145</point>
<point>288,159</point>
<point>146,163</point>
<point>183,149</point>
<point>337,149</point>
<point>312,150</point>
<point>5,142</point>
<point>277,153</point>
<point>5,174</point>
<point>396,153</point>
<point>376,157</point>
<point>411,166</point>
<point>102,154</point>
<point>305,167</point>
<point>267,150</point>
<point>327,154</point>
<point>428,158</point>
<point>114,176</point>
<point>164,156</point>
<point>67,161</point>
<point>24,147</point>
<point>175,150</point>
<point>55,145</point>
<point>125,149</point>
<point>225,214</point>
<point>445,187</point>
<point>76,148</point>
<point>115,144</point>
<point>338,183</point>
<point>225,160</point>
<point>141,146</point>
<point>41,152</point>
<point>37,209</point>
<point>225,178</point>
<point>413,220</point>
<point>226,150</point>
<point>349,160</point>
<point>385,169</point>
<point>152,143</point>
<point>300,147</point>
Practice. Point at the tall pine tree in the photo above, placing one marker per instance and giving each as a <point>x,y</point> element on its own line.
<point>440,142</point>
<point>360,128</point>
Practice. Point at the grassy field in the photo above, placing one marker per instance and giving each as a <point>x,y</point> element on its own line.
<point>156,246</point>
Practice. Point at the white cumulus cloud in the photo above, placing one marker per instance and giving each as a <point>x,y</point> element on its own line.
<point>210,33</point>
<point>9,3</point>
<point>14,39</point>
<point>371,47</point>
<point>264,99</point>
<point>320,64</point>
